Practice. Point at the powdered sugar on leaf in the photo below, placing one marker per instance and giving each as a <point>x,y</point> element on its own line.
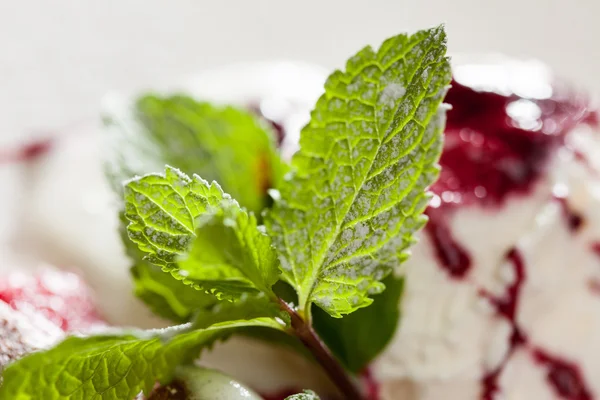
<point>200,235</point>
<point>346,215</point>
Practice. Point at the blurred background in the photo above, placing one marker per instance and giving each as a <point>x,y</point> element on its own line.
<point>59,57</point>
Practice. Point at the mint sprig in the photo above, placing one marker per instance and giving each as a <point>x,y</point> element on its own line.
<point>342,220</point>
<point>223,144</point>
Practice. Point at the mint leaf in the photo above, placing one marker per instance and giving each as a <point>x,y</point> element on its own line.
<point>347,212</point>
<point>361,336</point>
<point>306,395</point>
<point>225,144</point>
<point>222,143</point>
<point>247,307</point>
<point>109,366</point>
<point>162,210</point>
<point>166,296</point>
<point>230,256</point>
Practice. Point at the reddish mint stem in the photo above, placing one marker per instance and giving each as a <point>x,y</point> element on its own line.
<point>322,354</point>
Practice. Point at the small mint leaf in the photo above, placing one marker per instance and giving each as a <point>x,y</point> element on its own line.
<point>358,338</point>
<point>162,209</point>
<point>231,255</point>
<point>110,367</point>
<point>306,395</point>
<point>200,235</point>
<point>347,212</point>
<point>225,144</point>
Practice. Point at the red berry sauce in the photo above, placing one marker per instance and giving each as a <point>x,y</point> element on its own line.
<point>564,377</point>
<point>506,307</point>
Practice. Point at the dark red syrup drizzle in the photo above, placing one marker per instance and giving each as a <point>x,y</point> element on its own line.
<point>564,376</point>
<point>455,260</point>
<point>573,219</point>
<point>489,155</point>
<point>506,306</point>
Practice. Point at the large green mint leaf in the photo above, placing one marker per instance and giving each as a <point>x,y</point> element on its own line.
<point>200,235</point>
<point>360,337</point>
<point>347,212</point>
<point>225,144</point>
<point>306,395</point>
<point>108,367</point>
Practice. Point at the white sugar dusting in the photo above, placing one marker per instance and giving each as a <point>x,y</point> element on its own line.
<point>285,265</point>
<point>391,93</point>
<point>361,230</point>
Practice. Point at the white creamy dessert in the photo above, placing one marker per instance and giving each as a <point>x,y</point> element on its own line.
<point>502,295</point>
